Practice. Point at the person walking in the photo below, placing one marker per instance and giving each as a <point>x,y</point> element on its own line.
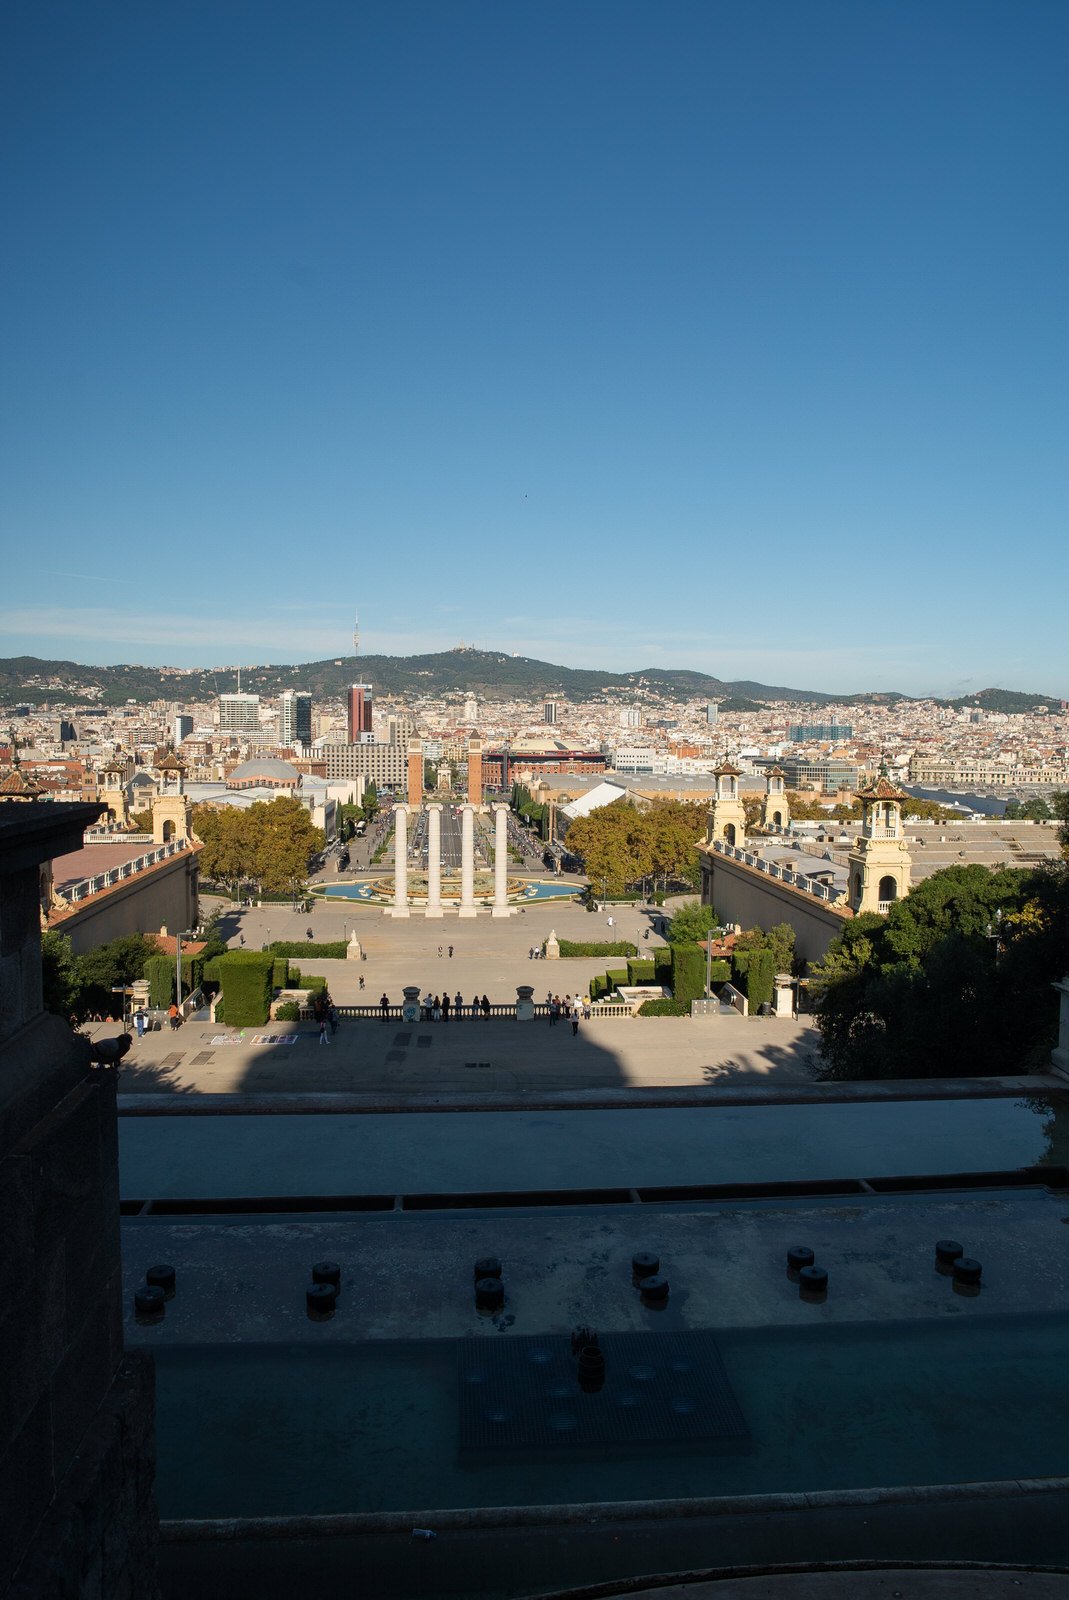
<point>575,1021</point>
<point>323,1031</point>
<point>173,1014</point>
<point>361,980</point>
<point>139,1022</point>
<point>439,952</point>
<point>450,952</point>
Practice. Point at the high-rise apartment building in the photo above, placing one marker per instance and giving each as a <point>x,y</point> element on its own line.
<point>239,713</point>
<point>819,732</point>
<point>631,717</point>
<point>549,713</point>
<point>359,710</point>
<point>294,717</point>
<point>711,712</point>
<point>183,727</point>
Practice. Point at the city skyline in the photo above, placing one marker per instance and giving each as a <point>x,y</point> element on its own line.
<point>723,338</point>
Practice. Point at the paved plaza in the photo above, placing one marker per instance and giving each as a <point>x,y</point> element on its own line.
<point>489,957</point>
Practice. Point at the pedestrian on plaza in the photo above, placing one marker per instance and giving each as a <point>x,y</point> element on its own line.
<point>361,980</point>
<point>425,1008</point>
<point>554,1011</point>
<point>384,1007</point>
<point>586,1008</point>
<point>530,953</point>
<point>439,952</point>
<point>486,1007</point>
<point>458,1002</point>
<point>323,1031</point>
<point>308,933</point>
<point>241,940</point>
<point>445,1008</point>
<point>575,1022</point>
<point>436,1008</point>
<point>475,1006</point>
<point>567,1005</point>
<point>173,1014</point>
<point>332,1018</point>
<point>450,952</point>
<point>139,1023</point>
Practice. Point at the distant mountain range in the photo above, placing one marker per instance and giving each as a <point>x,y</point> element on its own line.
<point>486,673</point>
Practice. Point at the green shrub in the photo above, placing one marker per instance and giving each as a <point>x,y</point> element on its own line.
<point>720,972</point>
<point>219,1017</point>
<point>246,979</point>
<point>755,974</point>
<point>688,972</point>
<point>664,1008</point>
<point>616,976</point>
<point>642,971</point>
<point>662,967</point>
<point>160,972</point>
<point>599,986</point>
<point>569,947</point>
<point>288,1011</point>
<point>305,980</point>
<point>280,973</point>
<point>209,972</point>
<point>329,950</point>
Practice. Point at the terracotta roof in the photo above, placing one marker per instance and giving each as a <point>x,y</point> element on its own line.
<point>727,769</point>
<point>880,789</point>
<point>167,945</point>
<point>16,785</point>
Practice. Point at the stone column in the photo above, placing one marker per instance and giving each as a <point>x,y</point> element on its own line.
<point>400,862</point>
<point>410,1005</point>
<point>501,862</point>
<point>467,861</point>
<point>434,861</point>
<point>525,1002</point>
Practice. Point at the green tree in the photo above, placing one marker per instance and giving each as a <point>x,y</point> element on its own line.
<point>778,941</point>
<point>285,841</point>
<point>691,923</point>
<point>370,801</point>
<point>59,974</point>
<point>430,775</point>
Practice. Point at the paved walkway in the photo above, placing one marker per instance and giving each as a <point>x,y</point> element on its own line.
<point>497,1055</point>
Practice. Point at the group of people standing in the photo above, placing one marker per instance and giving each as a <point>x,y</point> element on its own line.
<point>571,1010</point>
<point>439,1007</point>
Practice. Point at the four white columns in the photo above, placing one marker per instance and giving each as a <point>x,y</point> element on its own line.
<point>400,907</point>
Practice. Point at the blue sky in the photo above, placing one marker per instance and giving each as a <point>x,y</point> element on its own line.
<point>722,335</point>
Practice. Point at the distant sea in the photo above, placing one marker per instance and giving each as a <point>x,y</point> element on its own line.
<point>985,803</point>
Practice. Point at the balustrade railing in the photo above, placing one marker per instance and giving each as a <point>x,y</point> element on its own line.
<point>104,880</point>
<point>784,874</point>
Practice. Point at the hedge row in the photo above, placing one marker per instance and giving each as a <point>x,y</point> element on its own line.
<point>664,1008</point>
<point>568,947</point>
<point>246,979</point>
<point>755,975</point>
<point>688,973</point>
<point>641,971</point>
<point>329,950</point>
<point>160,972</point>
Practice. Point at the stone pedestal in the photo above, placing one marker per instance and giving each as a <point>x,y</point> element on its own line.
<point>552,946</point>
<point>1059,1056</point>
<point>782,999</point>
<point>467,862</point>
<point>525,1002</point>
<point>353,952</point>
<point>501,863</point>
<point>434,861</point>
<point>410,1005</point>
<point>400,863</point>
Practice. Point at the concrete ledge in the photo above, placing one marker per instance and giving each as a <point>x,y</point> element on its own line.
<point>347,1524</point>
<point>167,1104</point>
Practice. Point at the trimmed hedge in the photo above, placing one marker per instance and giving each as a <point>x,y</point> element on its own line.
<point>688,972</point>
<point>720,972</point>
<point>662,966</point>
<point>280,972</point>
<point>641,971</point>
<point>616,976</point>
<point>288,1011</point>
<point>305,980</point>
<point>664,1008</point>
<point>329,950</point>
<point>755,975</point>
<point>246,979</point>
<point>599,986</point>
<point>160,972</point>
<point>569,947</point>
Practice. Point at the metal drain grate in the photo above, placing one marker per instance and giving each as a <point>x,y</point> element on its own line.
<point>659,1388</point>
<point>172,1061</point>
<point>476,1063</point>
<point>202,1058</point>
<point>423,1041</point>
<point>402,1039</point>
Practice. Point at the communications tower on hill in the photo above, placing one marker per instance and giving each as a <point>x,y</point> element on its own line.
<point>356,633</point>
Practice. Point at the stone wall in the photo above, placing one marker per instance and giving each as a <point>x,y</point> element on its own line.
<point>743,895</point>
<point>76,1513</point>
<point>163,896</point>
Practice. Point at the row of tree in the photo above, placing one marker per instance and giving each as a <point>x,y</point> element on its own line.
<point>620,845</point>
<point>84,986</point>
<point>270,845</point>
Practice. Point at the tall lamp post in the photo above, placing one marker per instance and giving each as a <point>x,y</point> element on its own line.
<point>713,933</point>
<point>187,934</point>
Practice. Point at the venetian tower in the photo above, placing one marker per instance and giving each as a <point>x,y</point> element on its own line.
<point>170,804</point>
<point>777,813</point>
<point>879,864</point>
<point>727,814</point>
<point>113,793</point>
